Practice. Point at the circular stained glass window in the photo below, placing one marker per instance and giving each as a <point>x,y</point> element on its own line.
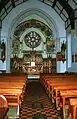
<point>32,39</point>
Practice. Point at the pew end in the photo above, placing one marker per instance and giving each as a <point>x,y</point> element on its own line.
<point>3,107</point>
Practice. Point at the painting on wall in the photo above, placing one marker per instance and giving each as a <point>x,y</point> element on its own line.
<point>50,46</point>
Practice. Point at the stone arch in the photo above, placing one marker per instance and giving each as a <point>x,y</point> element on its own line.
<point>47,18</point>
<point>41,14</point>
<point>32,29</point>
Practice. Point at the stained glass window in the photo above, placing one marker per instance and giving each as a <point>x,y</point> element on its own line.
<point>32,39</point>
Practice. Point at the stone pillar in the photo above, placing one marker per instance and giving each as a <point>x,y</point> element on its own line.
<point>76,22</point>
<point>8,55</point>
<point>68,51</point>
<point>58,50</point>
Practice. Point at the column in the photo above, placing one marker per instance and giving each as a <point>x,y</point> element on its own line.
<point>8,55</point>
<point>68,51</point>
<point>76,21</point>
<point>58,50</point>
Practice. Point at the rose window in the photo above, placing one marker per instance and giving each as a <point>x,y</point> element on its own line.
<point>32,39</point>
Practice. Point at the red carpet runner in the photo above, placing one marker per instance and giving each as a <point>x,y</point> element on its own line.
<point>36,104</point>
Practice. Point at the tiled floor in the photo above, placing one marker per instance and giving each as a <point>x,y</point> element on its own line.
<point>35,93</point>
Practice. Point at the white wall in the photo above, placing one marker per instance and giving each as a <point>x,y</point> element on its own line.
<point>73,67</point>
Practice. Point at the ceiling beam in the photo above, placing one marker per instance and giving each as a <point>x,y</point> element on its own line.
<point>5,10</point>
<point>61,11</point>
<point>69,10</point>
<point>43,1</point>
<point>67,0</point>
<point>75,2</point>
<point>54,3</point>
<point>2,4</point>
<point>13,3</point>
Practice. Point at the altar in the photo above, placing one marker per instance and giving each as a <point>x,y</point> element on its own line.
<point>33,70</point>
<point>33,63</point>
<point>30,69</point>
<point>33,76</point>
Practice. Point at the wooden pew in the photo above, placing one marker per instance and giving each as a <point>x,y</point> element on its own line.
<point>65,95</point>
<point>51,83</point>
<point>65,92</point>
<point>3,107</point>
<point>13,77</point>
<point>58,77</point>
<point>14,97</point>
<point>60,83</point>
<point>12,87</point>
<point>73,108</point>
<point>12,94</point>
<point>58,86</point>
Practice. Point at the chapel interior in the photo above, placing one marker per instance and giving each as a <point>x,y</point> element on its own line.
<point>38,59</point>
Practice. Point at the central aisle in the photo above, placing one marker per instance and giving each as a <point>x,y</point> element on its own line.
<point>36,104</point>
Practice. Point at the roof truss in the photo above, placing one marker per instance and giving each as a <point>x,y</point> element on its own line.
<point>62,7</point>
